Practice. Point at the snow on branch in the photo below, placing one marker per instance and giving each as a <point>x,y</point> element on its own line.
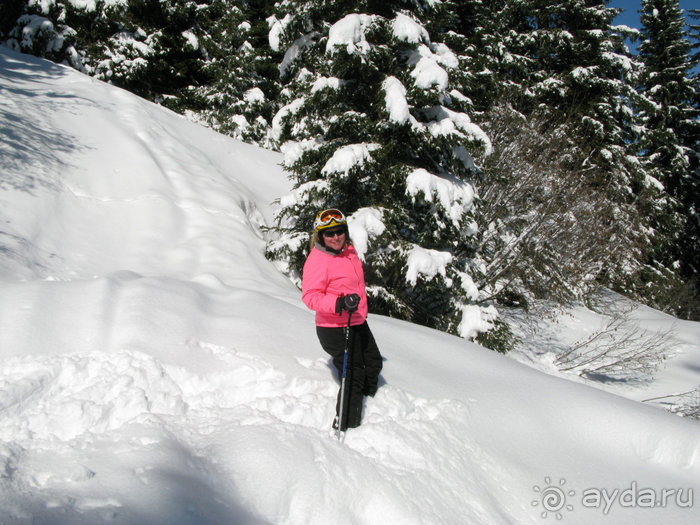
<point>350,31</point>
<point>444,122</point>
<point>303,193</point>
<point>476,319</point>
<point>395,101</point>
<point>290,109</point>
<point>456,197</point>
<point>406,29</point>
<point>427,72</point>
<point>295,51</point>
<point>426,263</point>
<point>364,224</point>
<point>322,83</point>
<point>293,150</point>
<point>277,28</point>
<point>347,157</point>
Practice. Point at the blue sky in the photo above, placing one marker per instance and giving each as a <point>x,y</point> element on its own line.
<point>630,16</point>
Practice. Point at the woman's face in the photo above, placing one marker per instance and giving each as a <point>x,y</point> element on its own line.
<point>334,238</point>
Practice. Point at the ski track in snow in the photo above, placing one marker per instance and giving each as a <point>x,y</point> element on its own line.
<point>156,368</point>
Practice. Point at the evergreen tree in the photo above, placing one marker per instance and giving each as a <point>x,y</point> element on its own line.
<point>691,139</point>
<point>374,127</point>
<point>241,99</point>
<point>565,57</point>
<point>668,144</point>
<point>694,34</point>
<point>691,203</point>
<point>159,52</point>
<point>667,86</point>
<point>471,29</point>
<point>153,48</point>
<point>38,29</point>
<point>563,134</point>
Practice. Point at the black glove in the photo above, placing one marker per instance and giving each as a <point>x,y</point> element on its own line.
<point>347,302</point>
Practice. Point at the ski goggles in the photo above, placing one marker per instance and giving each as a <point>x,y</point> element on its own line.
<point>328,218</point>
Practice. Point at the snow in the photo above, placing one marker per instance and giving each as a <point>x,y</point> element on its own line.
<point>157,368</point>
<point>444,55</point>
<point>37,26</point>
<point>293,150</point>
<point>87,5</point>
<point>622,28</point>
<point>650,181</point>
<point>405,29</point>
<point>84,5</point>
<point>476,319</point>
<point>427,73</point>
<point>443,121</point>
<point>447,122</point>
<point>191,39</point>
<point>469,286</point>
<point>459,96</point>
<point>291,108</point>
<point>349,32</point>
<point>326,83</point>
<point>254,95</point>
<point>299,194</point>
<point>583,73</point>
<point>456,197</point>
<point>626,63</point>
<point>395,101</point>
<point>427,263</point>
<point>295,50</point>
<point>364,224</point>
<point>347,157</point>
<point>277,28</point>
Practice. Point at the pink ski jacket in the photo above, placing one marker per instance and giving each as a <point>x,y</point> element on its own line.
<point>328,276</point>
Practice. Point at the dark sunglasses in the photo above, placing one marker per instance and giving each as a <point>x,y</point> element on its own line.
<point>332,233</point>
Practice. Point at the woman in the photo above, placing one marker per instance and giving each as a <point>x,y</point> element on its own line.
<point>333,285</point>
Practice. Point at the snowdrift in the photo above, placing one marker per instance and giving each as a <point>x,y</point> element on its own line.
<point>156,368</point>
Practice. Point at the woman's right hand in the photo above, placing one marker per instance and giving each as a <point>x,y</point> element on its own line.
<point>347,302</point>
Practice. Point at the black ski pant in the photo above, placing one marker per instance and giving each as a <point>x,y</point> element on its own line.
<point>362,371</point>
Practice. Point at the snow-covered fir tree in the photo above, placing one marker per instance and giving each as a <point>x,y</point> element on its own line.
<point>40,29</point>
<point>195,57</point>
<point>155,49</point>
<point>562,190</point>
<point>670,122</point>
<point>691,140</point>
<point>471,30</point>
<point>374,127</point>
<point>241,99</point>
<point>664,49</point>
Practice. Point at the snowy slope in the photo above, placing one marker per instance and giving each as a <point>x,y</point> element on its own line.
<point>156,368</point>
<point>673,384</point>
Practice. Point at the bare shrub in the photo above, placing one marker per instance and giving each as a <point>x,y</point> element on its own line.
<point>619,350</point>
<point>553,226</point>
<point>685,404</point>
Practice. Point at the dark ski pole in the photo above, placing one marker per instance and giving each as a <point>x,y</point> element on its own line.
<point>342,381</point>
